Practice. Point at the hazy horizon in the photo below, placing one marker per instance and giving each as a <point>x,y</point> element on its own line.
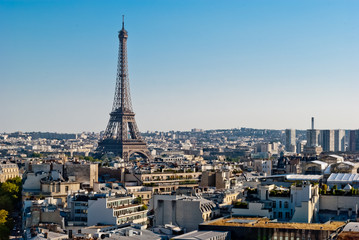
<point>186,130</point>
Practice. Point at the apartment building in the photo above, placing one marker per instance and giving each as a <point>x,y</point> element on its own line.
<point>8,171</point>
<point>93,209</point>
<point>183,211</point>
<point>165,182</point>
<point>300,203</point>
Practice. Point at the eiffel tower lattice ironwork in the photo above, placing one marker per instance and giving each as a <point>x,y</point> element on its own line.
<point>122,136</point>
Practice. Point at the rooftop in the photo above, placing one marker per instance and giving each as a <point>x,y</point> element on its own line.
<point>302,177</point>
<point>348,236</point>
<point>266,223</point>
<point>98,226</point>
<point>351,227</point>
<point>343,177</point>
<point>199,235</point>
<point>128,206</point>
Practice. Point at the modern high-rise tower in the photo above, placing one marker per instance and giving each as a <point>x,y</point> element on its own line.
<point>339,140</point>
<point>354,140</point>
<point>122,136</point>
<point>313,136</point>
<point>327,140</point>
<point>290,140</point>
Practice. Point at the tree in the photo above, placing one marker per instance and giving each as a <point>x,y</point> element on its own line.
<point>11,189</point>
<point>240,205</point>
<point>10,195</point>
<point>324,188</point>
<point>36,155</point>
<point>3,216</point>
<point>352,191</point>
<point>138,199</point>
<point>91,159</point>
<point>6,203</point>
<point>4,225</point>
<point>334,189</point>
<point>15,180</point>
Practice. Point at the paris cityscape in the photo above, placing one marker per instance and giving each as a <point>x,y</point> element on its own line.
<point>218,147</point>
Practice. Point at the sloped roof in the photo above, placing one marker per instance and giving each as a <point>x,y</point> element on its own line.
<point>302,177</point>
<point>349,163</point>
<point>351,227</point>
<point>322,164</point>
<point>336,156</point>
<point>328,169</point>
<point>343,178</point>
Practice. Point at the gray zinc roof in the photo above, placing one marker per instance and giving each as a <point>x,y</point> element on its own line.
<point>343,178</point>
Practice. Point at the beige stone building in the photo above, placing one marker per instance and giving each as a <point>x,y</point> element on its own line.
<point>86,174</point>
<point>58,189</point>
<point>139,191</point>
<point>165,182</point>
<point>8,171</point>
<point>58,180</point>
<point>42,212</point>
<point>183,211</point>
<point>219,180</point>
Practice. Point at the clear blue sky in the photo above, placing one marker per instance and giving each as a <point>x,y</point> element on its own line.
<point>193,63</point>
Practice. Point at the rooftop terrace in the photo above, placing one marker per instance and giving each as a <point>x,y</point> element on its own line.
<point>266,223</point>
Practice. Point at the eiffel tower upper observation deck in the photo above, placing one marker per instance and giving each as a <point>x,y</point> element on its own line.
<point>122,136</point>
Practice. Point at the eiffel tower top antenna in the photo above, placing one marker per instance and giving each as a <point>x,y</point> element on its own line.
<point>123,21</point>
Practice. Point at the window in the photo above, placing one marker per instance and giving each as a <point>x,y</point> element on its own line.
<point>280,204</point>
<point>285,204</point>
<point>280,215</point>
<point>274,204</point>
<point>287,215</point>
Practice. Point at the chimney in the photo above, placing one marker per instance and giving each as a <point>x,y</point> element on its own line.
<point>45,235</point>
<point>312,123</point>
<point>70,234</point>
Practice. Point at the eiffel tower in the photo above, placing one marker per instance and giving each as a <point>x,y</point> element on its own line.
<point>122,136</point>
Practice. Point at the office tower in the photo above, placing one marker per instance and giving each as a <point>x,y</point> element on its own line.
<point>290,140</point>
<point>354,140</point>
<point>339,140</point>
<point>327,137</point>
<point>313,136</point>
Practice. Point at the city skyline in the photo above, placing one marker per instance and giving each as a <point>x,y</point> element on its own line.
<point>192,64</point>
